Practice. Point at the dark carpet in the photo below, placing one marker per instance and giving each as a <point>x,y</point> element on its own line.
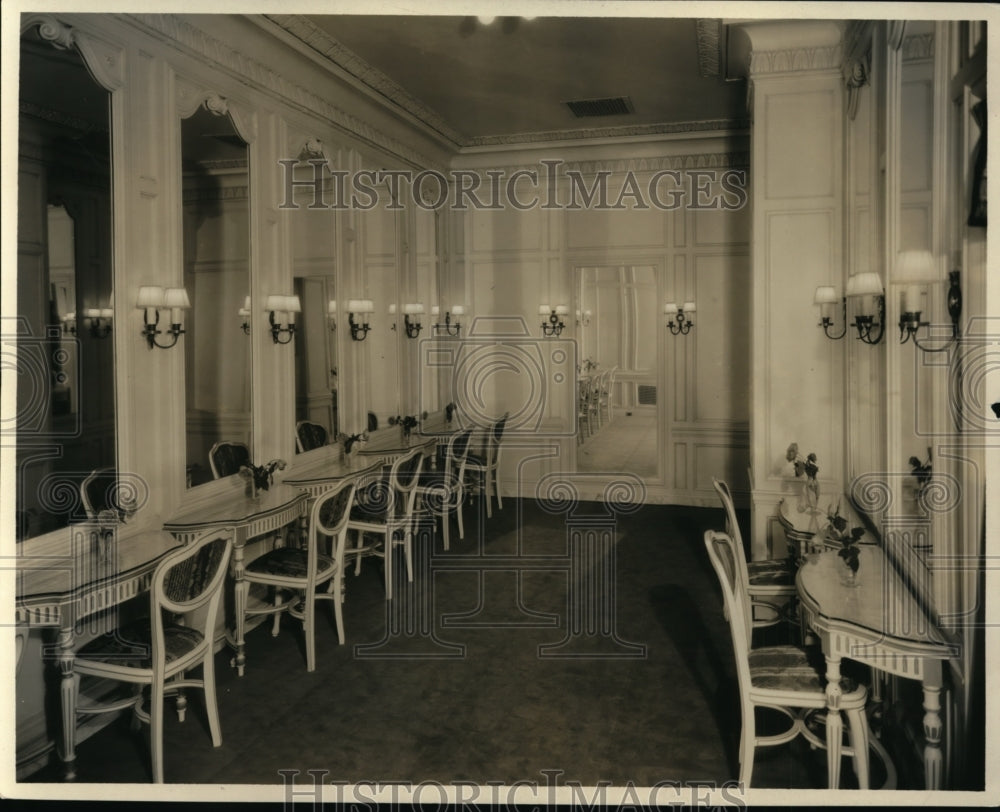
<point>488,668</point>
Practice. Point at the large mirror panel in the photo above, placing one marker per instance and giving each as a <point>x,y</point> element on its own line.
<point>217,347</point>
<point>64,330</point>
<point>617,378</point>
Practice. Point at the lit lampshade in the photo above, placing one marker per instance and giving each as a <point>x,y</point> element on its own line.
<point>392,310</point>
<point>106,313</point>
<point>274,303</point>
<point>149,296</point>
<point>867,285</point>
<point>435,310</point>
<point>331,307</point>
<point>688,307</point>
<point>914,269</point>
<point>826,294</point>
<point>413,308</point>
<point>292,306</point>
<point>562,310</point>
<point>177,300</point>
<point>92,313</point>
<point>544,310</point>
<point>670,309</point>
<point>457,310</point>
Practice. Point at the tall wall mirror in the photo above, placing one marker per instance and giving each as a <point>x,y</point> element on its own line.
<point>217,347</point>
<point>428,289</point>
<point>617,377</point>
<point>66,360</point>
<point>318,333</point>
<point>382,229</point>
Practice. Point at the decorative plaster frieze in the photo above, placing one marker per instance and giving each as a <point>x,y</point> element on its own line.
<point>918,46</point>
<point>105,60</point>
<point>791,60</point>
<point>632,131</point>
<point>707,33</point>
<point>246,70</point>
<point>705,160</point>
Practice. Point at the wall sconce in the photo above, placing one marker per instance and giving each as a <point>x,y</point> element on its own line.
<point>583,318</point>
<point>680,320</point>
<point>331,313</point>
<point>555,325</point>
<point>244,313</point>
<point>69,324</point>
<point>414,327</point>
<point>281,312</point>
<point>392,314</point>
<point>361,306</point>
<point>827,299</point>
<point>448,327</point>
<point>871,313</point>
<point>150,299</point>
<point>916,269</point>
<point>100,319</point>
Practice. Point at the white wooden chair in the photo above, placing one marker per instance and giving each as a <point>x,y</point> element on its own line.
<point>304,570</point>
<point>787,679</point>
<point>226,458</point>
<point>185,596</point>
<point>443,491</point>
<point>384,508</point>
<point>485,467</point>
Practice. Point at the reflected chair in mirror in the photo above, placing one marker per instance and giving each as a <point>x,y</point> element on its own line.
<point>770,582</point>
<point>585,415</point>
<point>310,435</point>
<point>485,466</point>
<point>442,490</point>
<point>383,509</point>
<point>98,492</point>
<point>605,395</point>
<point>226,458</point>
<point>302,570</point>
<point>787,679</point>
<point>185,597</point>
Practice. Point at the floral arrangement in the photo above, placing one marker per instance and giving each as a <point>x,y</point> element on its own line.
<point>803,465</point>
<point>408,423</point>
<point>262,476</point>
<point>838,532</point>
<point>922,471</point>
<point>587,365</point>
<point>350,440</point>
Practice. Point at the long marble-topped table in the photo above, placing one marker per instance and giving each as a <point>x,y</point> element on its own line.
<point>250,517</point>
<point>877,621</point>
<point>320,472</point>
<point>72,577</point>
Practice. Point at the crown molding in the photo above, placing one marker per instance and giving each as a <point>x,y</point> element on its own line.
<point>590,133</point>
<point>246,70</point>
<point>918,46</point>
<point>791,60</point>
<point>734,159</point>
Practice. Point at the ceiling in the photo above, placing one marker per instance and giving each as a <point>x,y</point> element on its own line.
<point>509,80</point>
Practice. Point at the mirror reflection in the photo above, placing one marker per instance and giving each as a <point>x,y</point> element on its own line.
<point>316,367</point>
<point>66,387</point>
<point>217,353</point>
<point>428,396</point>
<point>617,363</point>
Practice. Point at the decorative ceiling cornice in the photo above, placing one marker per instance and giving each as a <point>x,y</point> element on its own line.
<point>348,61</point>
<point>247,69</point>
<point>918,46</point>
<point>636,130</point>
<point>738,159</point>
<point>59,118</point>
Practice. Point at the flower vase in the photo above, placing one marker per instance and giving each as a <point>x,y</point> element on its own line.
<point>809,498</point>
<point>848,577</point>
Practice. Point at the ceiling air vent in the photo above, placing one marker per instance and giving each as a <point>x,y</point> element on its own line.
<point>587,108</point>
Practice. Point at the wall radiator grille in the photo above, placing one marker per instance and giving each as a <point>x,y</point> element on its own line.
<point>647,395</point>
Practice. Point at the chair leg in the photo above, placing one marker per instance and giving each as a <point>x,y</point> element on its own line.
<point>156,728</point>
<point>496,489</point>
<point>211,702</point>
<point>748,741</point>
<point>858,730</point>
<point>308,629</point>
<point>337,585</point>
<point>444,529</point>
<point>408,551</point>
<point>388,564</point>
<point>486,494</point>
<point>834,743</point>
<point>458,510</point>
<point>181,702</point>
<point>276,623</point>
<point>357,558</point>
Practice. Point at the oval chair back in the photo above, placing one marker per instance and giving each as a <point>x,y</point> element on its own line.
<point>227,457</point>
<point>309,436</point>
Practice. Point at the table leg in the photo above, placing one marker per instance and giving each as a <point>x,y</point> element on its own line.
<point>834,723</point>
<point>932,734</point>
<point>68,692</point>
<point>240,591</point>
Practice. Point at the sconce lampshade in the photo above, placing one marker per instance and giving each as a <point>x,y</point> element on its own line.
<point>689,307</point>
<point>274,302</point>
<point>826,294</point>
<point>149,296</point>
<point>413,308</point>
<point>292,304</point>
<point>331,307</point>
<point>457,310</point>
<point>915,267</point>
<point>670,309</point>
<point>392,310</point>
<point>176,298</point>
<point>864,284</point>
<point>544,310</point>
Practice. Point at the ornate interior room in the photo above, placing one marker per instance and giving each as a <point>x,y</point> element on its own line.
<point>623,383</point>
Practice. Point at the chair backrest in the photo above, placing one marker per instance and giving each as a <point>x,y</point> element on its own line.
<point>328,518</point>
<point>310,435</point>
<point>724,556</point>
<point>732,526</point>
<point>186,580</point>
<point>456,455</point>
<point>99,491</point>
<point>226,458</point>
<point>403,477</point>
<point>496,435</point>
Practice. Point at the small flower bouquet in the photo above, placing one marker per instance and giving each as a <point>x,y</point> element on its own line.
<point>922,472</point>
<point>407,424</point>
<point>848,538</point>
<point>351,440</point>
<point>261,477</point>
